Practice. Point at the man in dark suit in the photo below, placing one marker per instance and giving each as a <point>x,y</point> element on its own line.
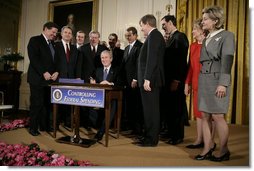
<point>80,38</point>
<point>116,51</point>
<point>107,75</point>
<point>89,57</point>
<point>67,55</point>
<point>41,72</point>
<point>151,79</point>
<point>173,97</point>
<point>133,109</point>
<point>88,60</point>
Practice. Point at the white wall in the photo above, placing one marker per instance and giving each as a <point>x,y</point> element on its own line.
<point>114,16</point>
<point>117,15</point>
<point>34,15</point>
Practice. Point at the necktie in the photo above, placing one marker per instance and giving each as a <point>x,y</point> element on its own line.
<point>105,74</point>
<point>130,47</point>
<point>67,53</point>
<point>51,49</point>
<point>93,51</point>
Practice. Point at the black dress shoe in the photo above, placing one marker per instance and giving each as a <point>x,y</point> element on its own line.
<point>138,138</point>
<point>224,157</point>
<point>50,129</point>
<point>98,136</point>
<point>42,129</point>
<point>203,157</point>
<point>193,146</point>
<point>88,128</point>
<point>47,130</point>
<point>34,133</point>
<point>175,142</point>
<point>67,124</point>
<point>164,134</point>
<point>144,144</point>
<point>135,132</point>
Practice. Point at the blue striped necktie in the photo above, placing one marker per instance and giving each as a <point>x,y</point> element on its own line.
<point>52,50</point>
<point>105,74</point>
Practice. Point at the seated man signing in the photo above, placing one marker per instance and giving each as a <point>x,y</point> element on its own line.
<point>106,75</point>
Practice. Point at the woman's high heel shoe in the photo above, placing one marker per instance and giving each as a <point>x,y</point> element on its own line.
<point>214,146</point>
<point>224,157</point>
<point>206,156</point>
<point>193,146</point>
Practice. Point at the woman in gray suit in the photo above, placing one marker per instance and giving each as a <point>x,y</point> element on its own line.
<point>214,82</point>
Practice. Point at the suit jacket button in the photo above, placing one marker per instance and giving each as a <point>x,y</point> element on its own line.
<point>206,71</point>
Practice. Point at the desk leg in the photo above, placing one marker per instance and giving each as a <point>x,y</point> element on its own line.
<point>76,137</point>
<point>55,108</point>
<point>72,118</point>
<point>119,114</point>
<point>107,119</point>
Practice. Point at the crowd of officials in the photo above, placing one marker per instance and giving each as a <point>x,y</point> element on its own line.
<point>155,77</point>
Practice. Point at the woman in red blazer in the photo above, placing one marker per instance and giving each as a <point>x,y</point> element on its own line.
<point>191,81</point>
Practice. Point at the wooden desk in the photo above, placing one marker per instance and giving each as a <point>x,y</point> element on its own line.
<point>111,92</point>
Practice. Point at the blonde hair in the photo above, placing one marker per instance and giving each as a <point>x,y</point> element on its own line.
<point>215,13</point>
<point>198,23</point>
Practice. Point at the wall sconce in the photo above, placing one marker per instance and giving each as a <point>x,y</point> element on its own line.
<point>158,14</point>
<point>169,7</point>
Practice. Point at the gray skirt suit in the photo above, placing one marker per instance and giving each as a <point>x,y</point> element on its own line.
<point>216,58</point>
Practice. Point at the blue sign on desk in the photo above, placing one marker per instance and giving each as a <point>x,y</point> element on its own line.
<point>79,96</point>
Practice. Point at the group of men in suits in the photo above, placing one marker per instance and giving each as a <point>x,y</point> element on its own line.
<point>145,70</point>
<point>51,60</point>
<point>162,68</point>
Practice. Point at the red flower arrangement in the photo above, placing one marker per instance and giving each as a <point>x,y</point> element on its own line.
<point>18,123</point>
<point>32,155</point>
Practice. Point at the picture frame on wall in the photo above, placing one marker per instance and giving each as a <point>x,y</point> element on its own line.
<point>78,14</point>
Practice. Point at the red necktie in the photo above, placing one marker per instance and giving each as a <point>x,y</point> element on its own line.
<point>67,53</point>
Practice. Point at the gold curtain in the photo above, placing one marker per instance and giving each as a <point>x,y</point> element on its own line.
<point>236,21</point>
